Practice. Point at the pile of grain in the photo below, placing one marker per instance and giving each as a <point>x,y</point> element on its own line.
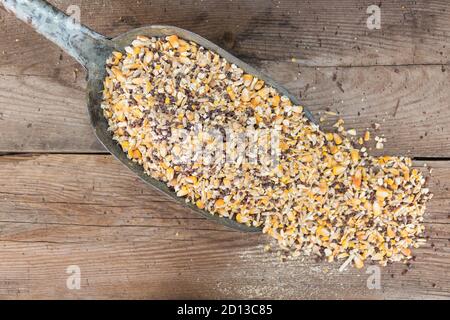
<point>261,161</point>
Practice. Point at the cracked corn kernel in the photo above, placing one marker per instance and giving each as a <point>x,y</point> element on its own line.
<point>276,101</point>
<point>170,173</point>
<point>356,207</point>
<point>382,193</point>
<point>125,145</point>
<point>329,136</point>
<point>191,179</point>
<point>406,252</point>
<point>248,78</point>
<point>323,186</point>
<point>337,139</point>
<point>306,158</point>
<point>183,191</point>
<point>390,233</point>
<point>219,203</point>
<point>200,204</point>
<point>356,179</point>
<point>358,262</point>
<point>337,170</point>
<point>173,40</point>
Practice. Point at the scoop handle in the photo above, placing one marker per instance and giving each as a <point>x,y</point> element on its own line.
<point>85,45</point>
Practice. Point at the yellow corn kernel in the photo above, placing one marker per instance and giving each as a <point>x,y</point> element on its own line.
<point>337,170</point>
<point>137,154</point>
<point>136,50</point>
<point>358,262</point>
<point>231,93</point>
<point>183,191</point>
<point>383,193</point>
<point>170,172</point>
<point>322,231</point>
<point>219,203</point>
<point>226,182</point>
<point>337,139</point>
<point>259,119</point>
<point>263,93</point>
<point>173,40</point>
<point>323,186</point>
<point>354,154</point>
<point>119,75</point>
<point>121,117</point>
<point>125,145</point>
<point>248,78</point>
<point>390,233</point>
<point>285,179</point>
<point>406,252</point>
<point>259,84</point>
<point>256,101</point>
<point>200,204</point>
<point>117,54</point>
<point>333,149</point>
<point>191,179</point>
<point>284,146</point>
<point>356,179</point>
<point>276,101</point>
<point>306,158</point>
<point>137,113</point>
<point>329,136</point>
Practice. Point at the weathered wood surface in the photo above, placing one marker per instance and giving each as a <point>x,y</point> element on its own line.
<point>317,32</point>
<point>44,114</point>
<point>42,105</point>
<point>132,242</point>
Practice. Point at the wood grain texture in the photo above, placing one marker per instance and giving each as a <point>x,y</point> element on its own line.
<point>69,208</point>
<point>42,99</point>
<point>44,114</point>
<point>132,242</point>
<point>318,33</point>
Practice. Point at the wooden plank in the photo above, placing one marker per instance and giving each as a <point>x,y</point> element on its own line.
<point>410,103</point>
<point>42,105</point>
<point>316,32</point>
<point>132,242</point>
<point>45,114</point>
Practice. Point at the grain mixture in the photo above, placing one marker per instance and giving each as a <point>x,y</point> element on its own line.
<point>321,194</point>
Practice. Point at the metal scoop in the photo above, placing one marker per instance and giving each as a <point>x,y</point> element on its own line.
<point>91,50</point>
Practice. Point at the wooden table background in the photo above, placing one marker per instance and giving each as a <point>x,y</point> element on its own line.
<point>65,201</point>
